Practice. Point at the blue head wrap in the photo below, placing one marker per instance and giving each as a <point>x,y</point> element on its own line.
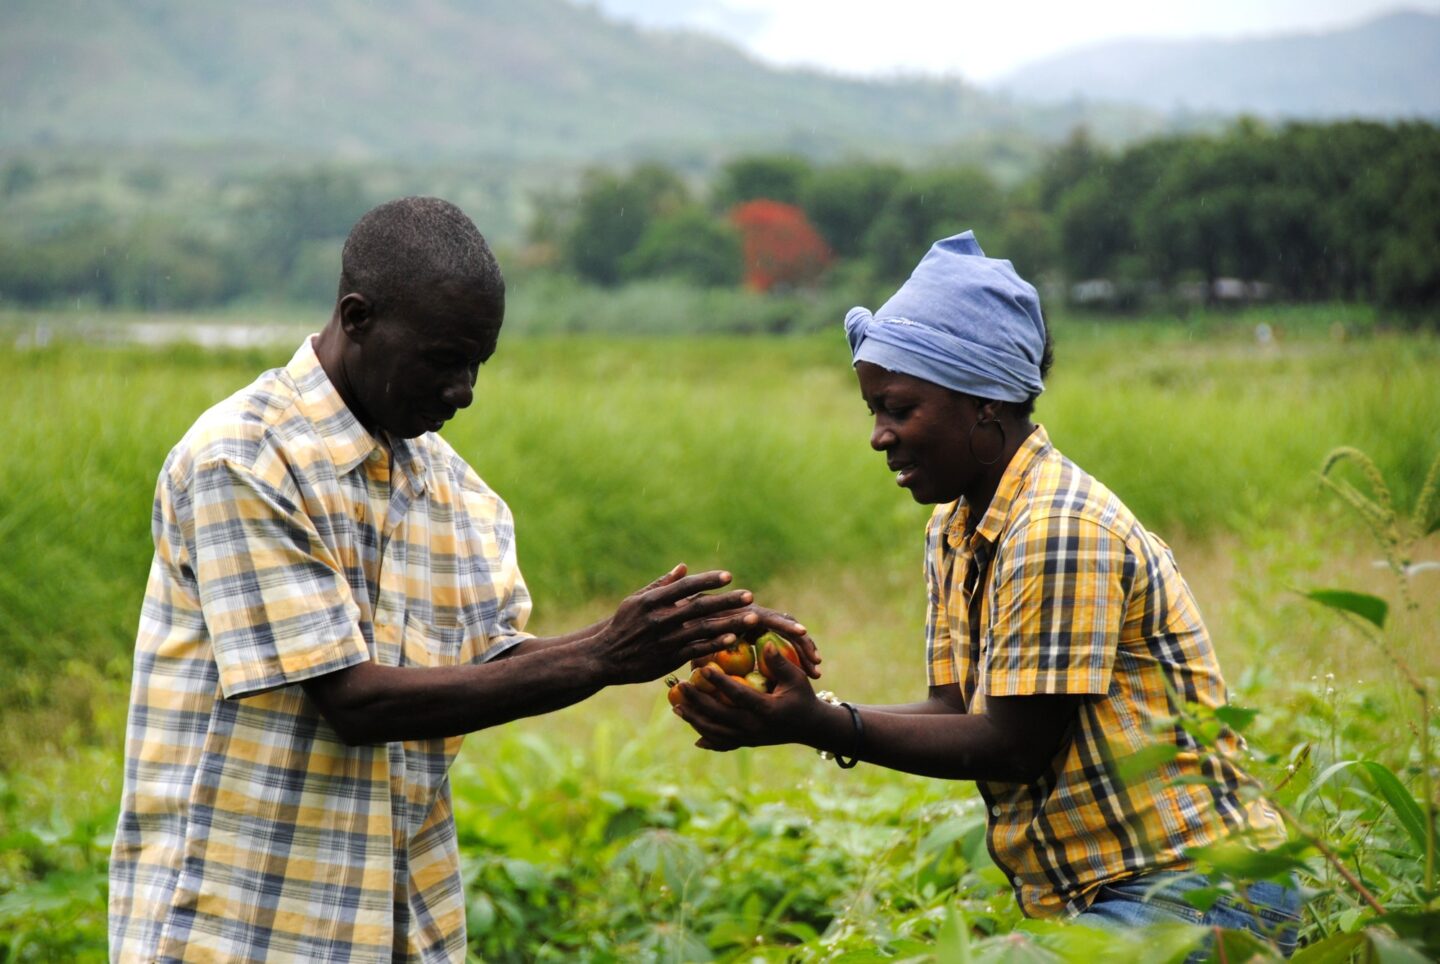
<point>964,321</point>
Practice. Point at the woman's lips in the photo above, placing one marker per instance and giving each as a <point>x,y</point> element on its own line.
<point>904,473</point>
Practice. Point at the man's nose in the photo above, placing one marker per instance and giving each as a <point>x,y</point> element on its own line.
<point>460,392</point>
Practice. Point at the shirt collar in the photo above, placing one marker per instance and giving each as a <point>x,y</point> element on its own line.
<point>344,437</point>
<point>1035,447</point>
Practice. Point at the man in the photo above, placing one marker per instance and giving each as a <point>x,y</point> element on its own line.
<point>334,600</point>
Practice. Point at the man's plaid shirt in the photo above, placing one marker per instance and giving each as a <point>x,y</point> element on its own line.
<point>290,543</point>
<point>1060,590</point>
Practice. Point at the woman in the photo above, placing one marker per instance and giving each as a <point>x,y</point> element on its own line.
<point>1058,631</point>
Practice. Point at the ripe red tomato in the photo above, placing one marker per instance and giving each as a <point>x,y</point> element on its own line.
<point>737,660</point>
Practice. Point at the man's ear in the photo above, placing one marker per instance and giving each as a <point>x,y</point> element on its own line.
<point>357,316</point>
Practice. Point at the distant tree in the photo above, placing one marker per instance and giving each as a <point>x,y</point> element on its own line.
<point>612,215</point>
<point>160,266</point>
<point>1343,167</point>
<point>774,177</point>
<point>782,248</point>
<point>288,209</point>
<point>689,244</point>
<point>1066,166</point>
<point>1026,238</point>
<point>1406,270</point>
<point>844,200</point>
<point>928,205</point>
<point>18,177</point>
<point>1096,217</point>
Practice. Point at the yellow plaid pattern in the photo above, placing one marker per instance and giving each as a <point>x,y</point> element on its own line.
<point>290,543</point>
<point>1060,590</point>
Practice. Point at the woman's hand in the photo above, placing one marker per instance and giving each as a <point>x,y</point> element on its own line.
<point>790,714</point>
<point>786,625</point>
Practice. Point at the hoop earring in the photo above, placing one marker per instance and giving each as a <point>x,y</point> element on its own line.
<point>970,442</point>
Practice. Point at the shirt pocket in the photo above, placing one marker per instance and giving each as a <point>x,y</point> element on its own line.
<point>428,644</point>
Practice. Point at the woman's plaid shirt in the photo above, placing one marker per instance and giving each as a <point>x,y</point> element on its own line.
<point>288,544</point>
<point>1075,596</point>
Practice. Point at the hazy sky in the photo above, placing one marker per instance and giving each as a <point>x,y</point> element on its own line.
<point>981,42</point>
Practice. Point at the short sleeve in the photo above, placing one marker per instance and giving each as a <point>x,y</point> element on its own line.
<point>276,603</point>
<point>1057,604</point>
<point>493,566</point>
<point>940,668</point>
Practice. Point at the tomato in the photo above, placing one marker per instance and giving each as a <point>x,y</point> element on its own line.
<point>737,660</point>
<point>756,681</point>
<point>703,684</point>
<point>786,648</point>
<point>674,693</point>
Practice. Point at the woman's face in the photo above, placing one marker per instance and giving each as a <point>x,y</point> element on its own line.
<point>922,428</point>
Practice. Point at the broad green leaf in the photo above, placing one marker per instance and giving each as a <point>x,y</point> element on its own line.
<point>1402,804</point>
<point>480,915</point>
<point>1205,732</point>
<point>1145,761</point>
<point>1238,718</point>
<point>1241,946</point>
<point>1014,948</point>
<point>943,836</point>
<point>1407,812</point>
<point>1421,928</point>
<point>1169,942</point>
<point>798,930</point>
<point>1370,608</point>
<point>953,944</point>
<point>1337,949</point>
<point>1393,950</point>
<point>1204,898</point>
<point>1233,858</point>
<point>524,874</point>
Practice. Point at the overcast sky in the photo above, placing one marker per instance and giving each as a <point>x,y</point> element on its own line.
<point>980,42</point>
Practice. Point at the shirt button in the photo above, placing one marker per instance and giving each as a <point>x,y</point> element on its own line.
<point>1016,881</point>
<point>995,811</point>
<point>375,455</point>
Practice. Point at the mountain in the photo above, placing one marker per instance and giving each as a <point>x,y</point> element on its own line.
<point>1388,68</point>
<point>539,80</point>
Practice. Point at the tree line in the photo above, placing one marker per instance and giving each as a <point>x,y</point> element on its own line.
<point>1301,212</point>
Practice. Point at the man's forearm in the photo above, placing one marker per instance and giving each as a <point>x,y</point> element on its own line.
<point>369,703</point>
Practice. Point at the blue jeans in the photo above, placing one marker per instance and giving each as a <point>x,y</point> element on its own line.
<point>1270,911</point>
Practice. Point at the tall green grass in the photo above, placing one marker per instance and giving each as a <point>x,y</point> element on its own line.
<point>621,457</point>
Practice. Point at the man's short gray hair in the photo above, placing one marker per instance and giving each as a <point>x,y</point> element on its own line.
<point>399,251</point>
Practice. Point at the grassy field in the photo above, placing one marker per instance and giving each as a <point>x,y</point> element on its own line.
<point>620,457</point>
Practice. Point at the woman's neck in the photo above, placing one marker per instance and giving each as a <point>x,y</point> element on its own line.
<point>979,495</point>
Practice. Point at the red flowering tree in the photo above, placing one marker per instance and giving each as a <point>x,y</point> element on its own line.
<point>781,247</point>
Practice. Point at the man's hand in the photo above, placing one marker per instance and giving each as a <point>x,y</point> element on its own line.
<point>737,715</point>
<point>669,622</point>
